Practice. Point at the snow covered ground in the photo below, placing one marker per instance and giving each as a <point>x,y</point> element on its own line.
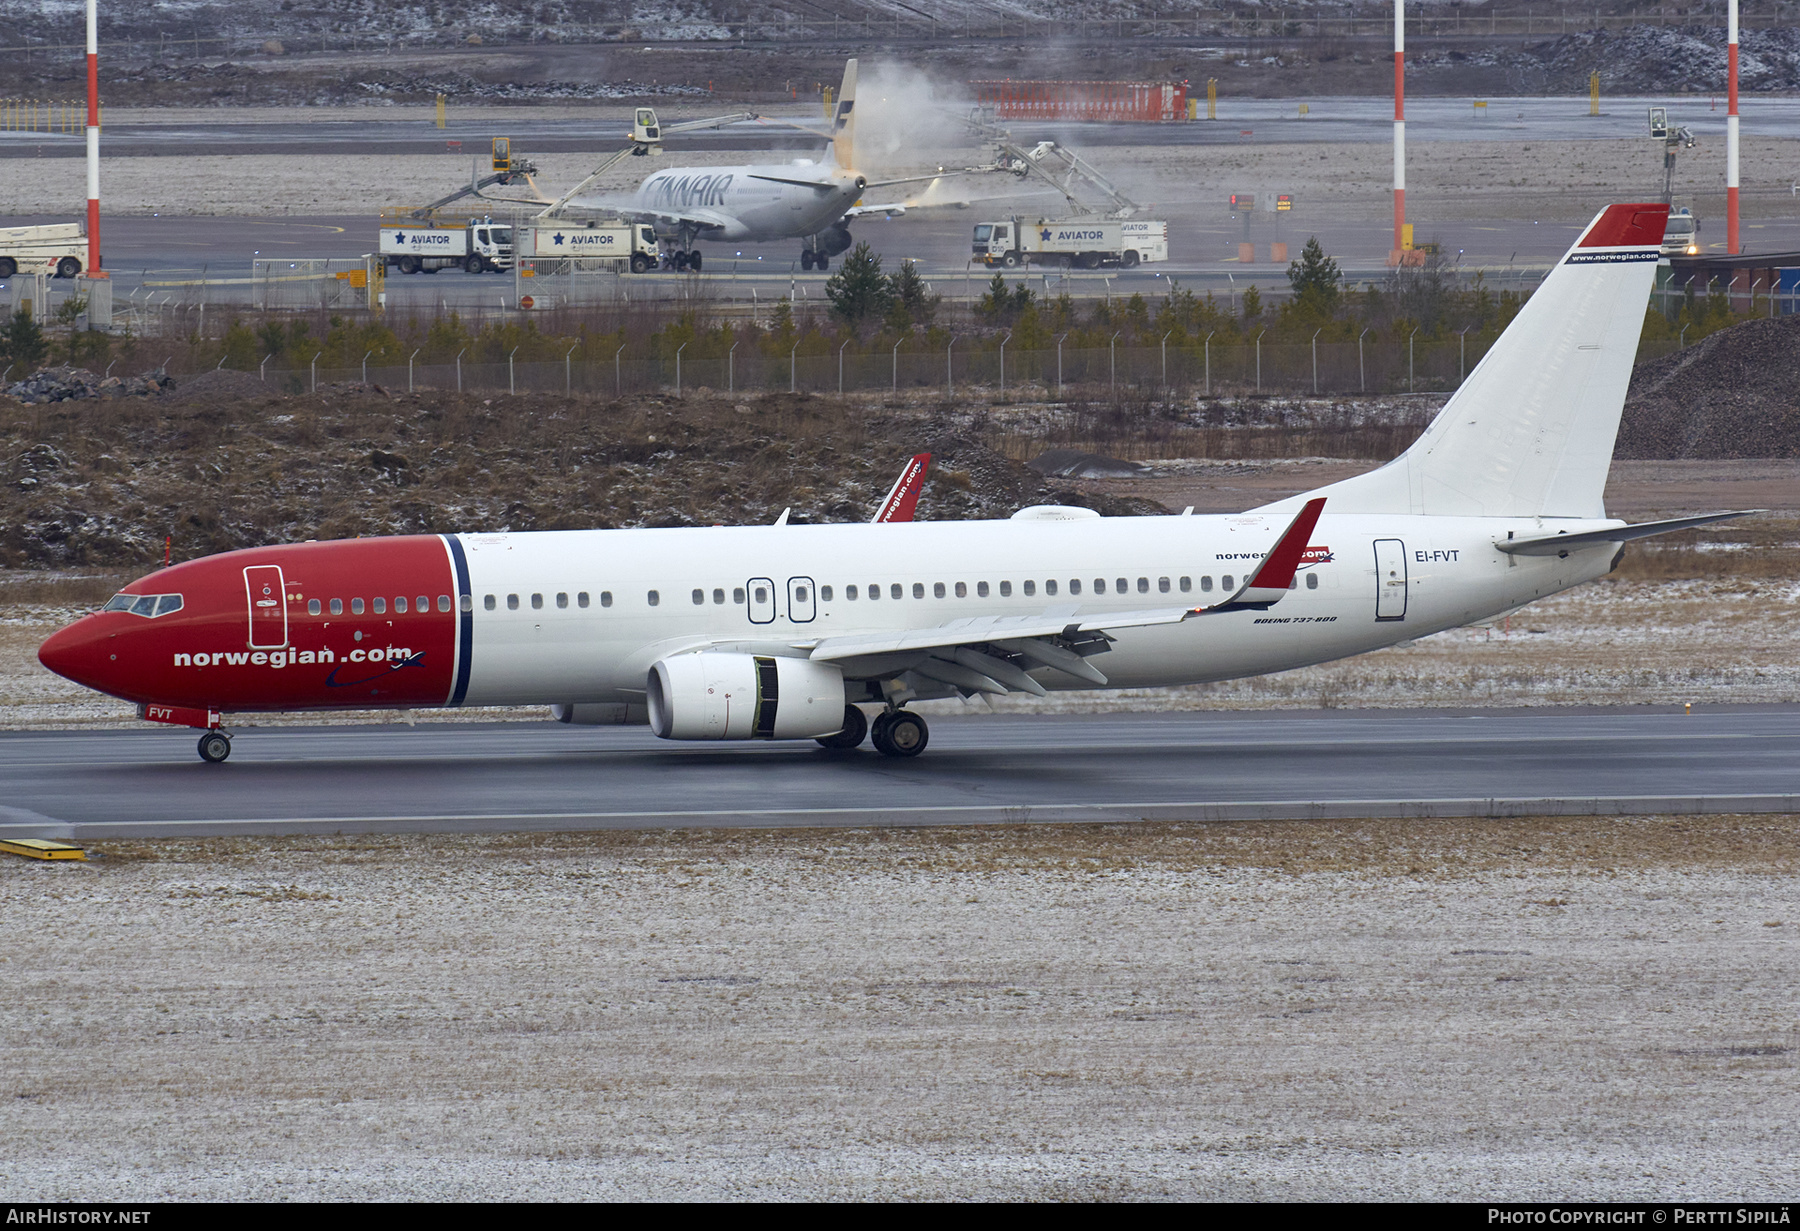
<point>1520,1010</point>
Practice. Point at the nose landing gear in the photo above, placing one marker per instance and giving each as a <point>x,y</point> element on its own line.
<point>215,746</point>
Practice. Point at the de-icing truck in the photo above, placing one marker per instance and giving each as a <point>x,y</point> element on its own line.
<point>599,244</point>
<point>1074,243</point>
<point>481,244</point>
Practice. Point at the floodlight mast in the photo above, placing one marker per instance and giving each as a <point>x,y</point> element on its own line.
<point>93,139</point>
<point>1400,124</point>
<point>1731,132</point>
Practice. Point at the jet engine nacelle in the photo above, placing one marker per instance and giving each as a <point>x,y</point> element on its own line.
<point>744,696</point>
<point>832,240</point>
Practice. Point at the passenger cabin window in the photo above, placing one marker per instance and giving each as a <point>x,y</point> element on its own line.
<point>874,593</point>
<point>699,598</point>
<point>919,589</point>
<point>981,589</point>
<point>761,596</point>
<point>424,603</point>
<point>487,602</point>
<point>1074,586</point>
<point>380,606</point>
<point>581,599</point>
<point>512,602</point>
<point>962,590</point>
<point>1187,583</point>
<point>895,592</point>
<point>1144,585</point>
<point>356,606</point>
<point>937,589</point>
<point>718,598</point>
<point>1006,589</point>
<point>1162,585</point>
<point>337,606</point>
<point>1099,585</point>
<point>850,593</point>
<point>1206,585</point>
<point>562,599</point>
<point>312,606</point>
<point>400,604</point>
<point>825,594</point>
<point>1312,581</point>
<point>537,602</point>
<point>737,595</point>
<point>606,598</point>
<point>653,598</point>
<point>1225,582</point>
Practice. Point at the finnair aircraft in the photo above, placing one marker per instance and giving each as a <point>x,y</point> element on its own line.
<point>806,632</point>
<point>803,199</point>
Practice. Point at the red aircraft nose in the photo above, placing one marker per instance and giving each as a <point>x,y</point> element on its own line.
<point>80,652</point>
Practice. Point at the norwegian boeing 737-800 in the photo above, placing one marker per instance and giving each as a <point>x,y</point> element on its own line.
<point>799,632</point>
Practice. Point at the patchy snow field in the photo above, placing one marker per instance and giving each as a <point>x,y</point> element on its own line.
<point>1452,180</point>
<point>1525,1010</point>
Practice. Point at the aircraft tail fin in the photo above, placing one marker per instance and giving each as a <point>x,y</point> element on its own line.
<point>843,121</point>
<point>1531,431</point>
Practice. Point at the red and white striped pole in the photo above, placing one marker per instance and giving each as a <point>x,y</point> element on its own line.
<point>93,139</point>
<point>1400,121</point>
<point>1731,131</point>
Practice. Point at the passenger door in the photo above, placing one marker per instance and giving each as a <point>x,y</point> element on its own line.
<point>1390,579</point>
<point>802,602</point>
<point>267,594</point>
<point>760,591</point>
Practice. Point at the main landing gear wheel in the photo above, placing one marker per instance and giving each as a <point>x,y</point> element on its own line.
<point>856,726</point>
<point>900,734</point>
<point>694,261</point>
<point>806,258</point>
<point>215,746</point>
<point>822,261</point>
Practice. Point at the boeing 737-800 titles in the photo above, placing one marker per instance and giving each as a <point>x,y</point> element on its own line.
<point>803,632</point>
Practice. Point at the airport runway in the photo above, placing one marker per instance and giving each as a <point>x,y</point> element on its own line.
<point>990,769</point>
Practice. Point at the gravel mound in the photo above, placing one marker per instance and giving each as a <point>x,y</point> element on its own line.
<point>1735,394</point>
<point>67,384</point>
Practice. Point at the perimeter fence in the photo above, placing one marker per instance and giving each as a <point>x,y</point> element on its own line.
<point>1336,369</point>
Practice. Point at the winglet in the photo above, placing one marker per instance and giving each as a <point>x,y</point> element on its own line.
<point>1275,575</point>
<point>903,496</point>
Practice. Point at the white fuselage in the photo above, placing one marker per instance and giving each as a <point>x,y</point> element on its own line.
<point>1434,573</point>
<point>752,204</point>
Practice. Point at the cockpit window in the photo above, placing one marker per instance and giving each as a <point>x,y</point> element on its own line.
<point>150,605</point>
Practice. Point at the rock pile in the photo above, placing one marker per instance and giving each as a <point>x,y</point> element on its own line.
<point>67,384</point>
<point>1733,394</point>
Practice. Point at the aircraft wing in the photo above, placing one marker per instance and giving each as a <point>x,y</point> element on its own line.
<point>993,653</point>
<point>701,220</point>
<point>903,496</point>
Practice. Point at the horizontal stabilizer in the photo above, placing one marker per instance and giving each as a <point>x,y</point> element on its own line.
<point>1559,544</point>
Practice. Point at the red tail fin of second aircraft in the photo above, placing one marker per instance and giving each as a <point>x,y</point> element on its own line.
<point>903,497</point>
